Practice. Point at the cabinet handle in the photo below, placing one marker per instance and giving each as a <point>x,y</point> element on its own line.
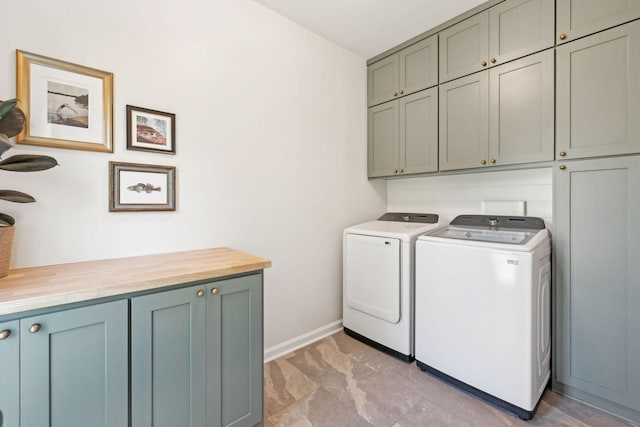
<point>5,334</point>
<point>562,154</point>
<point>493,161</point>
<point>200,293</point>
<point>563,36</point>
<point>401,92</point>
<point>401,170</point>
<point>35,328</point>
<point>484,162</point>
<point>493,60</point>
<point>214,290</point>
<point>395,171</point>
<point>562,167</point>
<point>395,94</point>
<point>484,63</point>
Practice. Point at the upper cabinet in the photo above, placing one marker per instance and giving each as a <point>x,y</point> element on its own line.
<point>598,94</point>
<point>502,116</point>
<point>403,135</point>
<point>578,18</point>
<point>507,31</point>
<point>412,69</point>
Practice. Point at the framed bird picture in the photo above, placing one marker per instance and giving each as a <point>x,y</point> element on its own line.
<point>135,187</point>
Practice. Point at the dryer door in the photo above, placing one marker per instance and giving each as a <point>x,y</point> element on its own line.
<point>372,275</point>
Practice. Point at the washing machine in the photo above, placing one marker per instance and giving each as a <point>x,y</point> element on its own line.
<point>483,298</point>
<point>378,280</point>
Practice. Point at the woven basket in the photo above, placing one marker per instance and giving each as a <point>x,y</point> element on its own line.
<point>6,243</point>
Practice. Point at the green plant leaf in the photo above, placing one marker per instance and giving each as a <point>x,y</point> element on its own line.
<point>16,196</point>
<point>6,106</point>
<point>28,163</point>
<point>6,220</point>
<point>13,122</point>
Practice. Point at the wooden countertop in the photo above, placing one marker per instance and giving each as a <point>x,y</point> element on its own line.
<point>40,287</point>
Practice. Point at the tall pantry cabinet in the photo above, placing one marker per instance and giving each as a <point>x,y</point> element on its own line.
<point>596,350</point>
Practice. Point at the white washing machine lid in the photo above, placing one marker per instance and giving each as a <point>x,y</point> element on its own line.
<point>512,233</point>
<point>404,226</point>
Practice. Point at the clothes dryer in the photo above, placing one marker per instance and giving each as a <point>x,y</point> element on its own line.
<point>378,280</point>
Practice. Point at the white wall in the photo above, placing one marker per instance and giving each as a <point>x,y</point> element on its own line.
<point>451,195</point>
<point>271,141</point>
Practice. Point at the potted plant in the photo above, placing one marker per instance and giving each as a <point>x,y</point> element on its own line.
<point>12,121</point>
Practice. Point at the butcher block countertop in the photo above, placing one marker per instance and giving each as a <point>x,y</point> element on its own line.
<point>41,287</point>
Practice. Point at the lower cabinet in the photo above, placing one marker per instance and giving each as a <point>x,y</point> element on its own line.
<point>596,355</point>
<point>197,355</point>
<point>74,368</point>
<point>10,374</point>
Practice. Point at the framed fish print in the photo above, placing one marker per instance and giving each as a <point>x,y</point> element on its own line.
<point>66,105</point>
<point>151,130</point>
<point>135,187</point>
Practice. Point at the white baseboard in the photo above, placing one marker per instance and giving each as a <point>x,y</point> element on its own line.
<point>300,341</point>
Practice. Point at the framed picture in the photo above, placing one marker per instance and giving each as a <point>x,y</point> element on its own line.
<point>150,130</point>
<point>67,105</point>
<point>138,187</point>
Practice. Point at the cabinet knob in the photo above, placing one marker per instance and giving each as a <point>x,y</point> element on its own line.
<point>484,162</point>
<point>214,290</point>
<point>35,328</point>
<point>5,334</point>
<point>395,94</point>
<point>484,63</point>
<point>493,60</point>
<point>562,167</point>
<point>401,92</point>
<point>562,154</point>
<point>493,161</point>
<point>200,293</point>
<point>563,36</point>
<point>401,170</point>
<point>395,171</point>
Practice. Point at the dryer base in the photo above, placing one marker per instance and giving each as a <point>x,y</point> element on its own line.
<point>404,357</point>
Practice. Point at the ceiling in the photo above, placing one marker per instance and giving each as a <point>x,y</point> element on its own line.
<point>369,27</point>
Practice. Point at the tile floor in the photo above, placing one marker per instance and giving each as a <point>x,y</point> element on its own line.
<point>338,381</point>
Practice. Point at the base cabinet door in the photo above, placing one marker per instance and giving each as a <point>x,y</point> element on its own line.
<point>10,374</point>
<point>168,362</point>
<point>74,367</point>
<point>597,285</point>
<point>197,355</point>
<point>235,352</point>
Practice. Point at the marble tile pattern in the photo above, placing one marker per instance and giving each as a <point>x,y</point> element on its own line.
<point>339,381</point>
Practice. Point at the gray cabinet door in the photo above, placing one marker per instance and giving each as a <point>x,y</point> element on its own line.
<point>235,352</point>
<point>464,47</point>
<point>382,139</point>
<point>597,290</point>
<point>10,374</point>
<point>419,132</point>
<point>578,18</point>
<point>168,361</point>
<point>382,80</point>
<point>419,66</point>
<point>74,368</point>
<point>464,122</point>
<point>521,128</point>
<point>598,94</point>
<point>520,27</point>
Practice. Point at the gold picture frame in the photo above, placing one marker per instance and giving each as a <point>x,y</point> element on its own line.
<point>66,105</point>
